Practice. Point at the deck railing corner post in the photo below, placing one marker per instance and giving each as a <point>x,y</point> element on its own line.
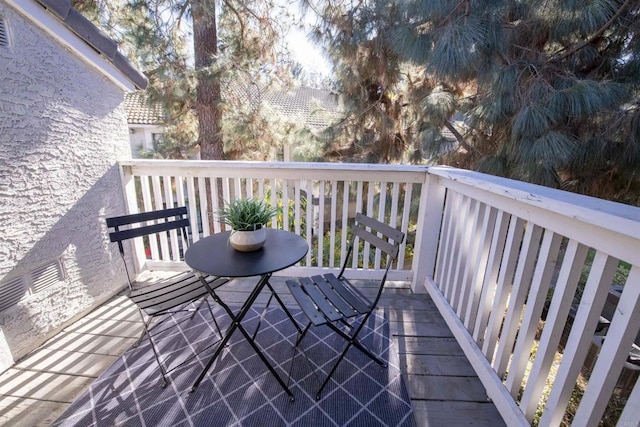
<point>428,224</point>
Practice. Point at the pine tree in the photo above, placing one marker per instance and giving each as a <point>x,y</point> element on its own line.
<point>548,90</point>
<point>192,50</point>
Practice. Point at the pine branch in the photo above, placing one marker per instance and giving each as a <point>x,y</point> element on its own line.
<point>595,35</point>
<point>240,21</point>
<point>460,138</point>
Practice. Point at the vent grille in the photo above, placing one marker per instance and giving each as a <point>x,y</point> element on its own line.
<point>45,276</point>
<point>4,36</point>
<point>11,292</point>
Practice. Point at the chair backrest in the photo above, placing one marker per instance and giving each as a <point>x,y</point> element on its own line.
<point>135,225</point>
<point>174,218</point>
<point>378,235</point>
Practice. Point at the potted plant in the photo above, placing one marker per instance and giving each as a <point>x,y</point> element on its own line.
<point>247,218</point>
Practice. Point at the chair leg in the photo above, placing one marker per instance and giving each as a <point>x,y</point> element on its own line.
<point>215,322</point>
<point>165,381</point>
<point>302,334</point>
<point>333,369</point>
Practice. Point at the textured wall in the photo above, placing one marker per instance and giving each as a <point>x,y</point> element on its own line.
<point>62,128</point>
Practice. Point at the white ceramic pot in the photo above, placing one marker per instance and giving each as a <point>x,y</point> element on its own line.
<point>247,241</point>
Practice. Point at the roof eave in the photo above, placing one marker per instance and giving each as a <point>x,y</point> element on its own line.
<point>74,31</point>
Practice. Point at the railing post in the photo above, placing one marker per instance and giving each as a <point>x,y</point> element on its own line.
<point>129,192</point>
<point>427,231</point>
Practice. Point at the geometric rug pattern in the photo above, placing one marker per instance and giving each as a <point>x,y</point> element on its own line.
<point>238,390</point>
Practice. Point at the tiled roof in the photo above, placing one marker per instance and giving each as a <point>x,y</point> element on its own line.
<point>91,35</point>
<point>316,108</point>
<point>140,111</point>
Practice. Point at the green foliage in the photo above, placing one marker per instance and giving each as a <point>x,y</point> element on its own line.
<point>548,91</point>
<point>201,81</point>
<point>246,214</point>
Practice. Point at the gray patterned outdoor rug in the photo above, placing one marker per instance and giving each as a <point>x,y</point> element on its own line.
<point>239,390</point>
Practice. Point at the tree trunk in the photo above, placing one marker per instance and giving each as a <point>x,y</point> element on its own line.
<point>208,97</point>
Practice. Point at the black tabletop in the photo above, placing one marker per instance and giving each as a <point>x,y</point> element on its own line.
<point>214,255</point>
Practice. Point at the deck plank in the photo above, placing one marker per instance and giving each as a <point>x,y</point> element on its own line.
<point>456,414</point>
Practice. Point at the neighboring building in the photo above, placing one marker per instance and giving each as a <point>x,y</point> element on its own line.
<point>314,108</point>
<point>146,121</point>
<point>62,130</point>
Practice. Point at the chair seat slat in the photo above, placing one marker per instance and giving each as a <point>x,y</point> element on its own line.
<point>319,299</point>
<point>156,307</point>
<point>346,294</point>
<point>305,303</point>
<point>325,283</point>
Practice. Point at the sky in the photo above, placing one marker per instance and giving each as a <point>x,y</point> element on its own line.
<point>308,54</point>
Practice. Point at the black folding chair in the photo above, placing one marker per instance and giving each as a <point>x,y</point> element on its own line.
<point>332,301</point>
<point>169,296</point>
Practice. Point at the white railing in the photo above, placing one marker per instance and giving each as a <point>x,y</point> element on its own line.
<point>317,201</point>
<point>506,262</point>
<point>514,262</point>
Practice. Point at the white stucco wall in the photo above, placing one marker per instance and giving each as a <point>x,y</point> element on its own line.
<point>62,129</point>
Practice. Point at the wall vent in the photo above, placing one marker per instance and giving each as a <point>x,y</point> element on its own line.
<point>4,33</point>
<point>11,292</point>
<point>46,275</point>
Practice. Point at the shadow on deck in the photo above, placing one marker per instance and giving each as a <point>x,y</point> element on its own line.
<point>442,385</point>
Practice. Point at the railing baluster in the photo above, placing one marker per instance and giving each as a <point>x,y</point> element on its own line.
<point>356,242</point>
<point>297,207</point>
<point>332,226</point>
<point>320,225</point>
<point>345,221</point>
<point>453,238</point>
<point>503,290</point>
<point>445,243</point>
<point>463,240</point>
<point>285,205</point>
<point>473,238</point>
<point>490,283</point>
<point>572,265</point>
<point>382,209</point>
<point>215,200</point>
<point>406,213</point>
<point>274,201</point>
<point>159,204</point>
<point>366,252</point>
<point>237,189</point>
<point>545,267</point>
<point>204,207</point>
<point>148,206</point>
<point>521,281</point>
<point>480,268</point>
<point>309,231</point>
<point>193,209</point>
<point>584,325</point>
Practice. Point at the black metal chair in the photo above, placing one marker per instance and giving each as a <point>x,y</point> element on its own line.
<point>169,296</point>
<point>332,301</point>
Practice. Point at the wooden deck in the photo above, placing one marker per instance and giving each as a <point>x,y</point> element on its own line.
<point>442,384</point>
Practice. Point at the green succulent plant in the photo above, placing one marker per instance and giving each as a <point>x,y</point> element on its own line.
<point>246,214</point>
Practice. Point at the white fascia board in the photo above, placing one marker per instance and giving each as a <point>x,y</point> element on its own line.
<point>56,29</point>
